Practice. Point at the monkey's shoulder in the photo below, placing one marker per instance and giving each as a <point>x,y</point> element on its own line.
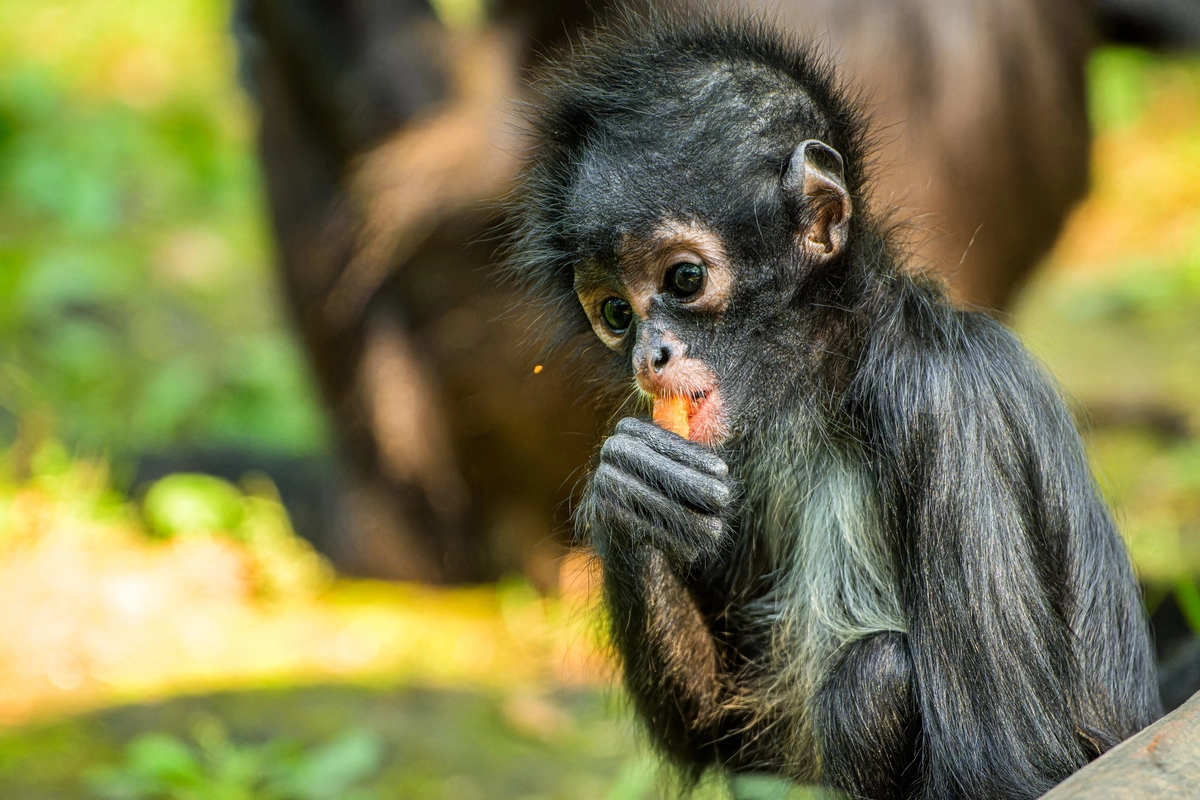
<point>927,356</point>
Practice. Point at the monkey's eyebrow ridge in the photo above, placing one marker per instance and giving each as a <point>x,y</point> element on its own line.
<point>591,276</point>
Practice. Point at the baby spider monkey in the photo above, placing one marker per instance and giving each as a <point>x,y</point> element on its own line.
<point>878,559</point>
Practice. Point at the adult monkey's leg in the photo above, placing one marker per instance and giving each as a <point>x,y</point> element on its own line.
<point>374,132</point>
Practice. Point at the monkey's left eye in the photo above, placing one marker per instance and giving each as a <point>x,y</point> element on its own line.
<point>685,279</point>
<point>617,314</point>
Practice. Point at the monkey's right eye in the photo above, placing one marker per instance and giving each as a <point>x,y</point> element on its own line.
<point>617,314</point>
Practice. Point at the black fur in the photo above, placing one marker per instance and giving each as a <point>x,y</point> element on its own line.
<point>982,635</point>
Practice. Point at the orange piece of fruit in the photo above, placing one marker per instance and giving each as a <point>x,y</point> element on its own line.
<point>671,413</point>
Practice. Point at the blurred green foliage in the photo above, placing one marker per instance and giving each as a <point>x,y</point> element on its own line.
<point>1119,83</point>
<point>1116,313</point>
<point>336,741</point>
<point>188,503</point>
<point>160,766</point>
<point>136,299</point>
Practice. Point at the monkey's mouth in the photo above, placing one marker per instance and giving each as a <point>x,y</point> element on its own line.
<point>695,414</point>
<point>706,417</point>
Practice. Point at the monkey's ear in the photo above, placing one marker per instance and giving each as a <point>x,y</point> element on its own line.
<point>815,186</point>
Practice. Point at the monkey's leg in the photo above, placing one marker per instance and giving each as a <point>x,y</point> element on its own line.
<point>672,667</point>
<point>866,720</point>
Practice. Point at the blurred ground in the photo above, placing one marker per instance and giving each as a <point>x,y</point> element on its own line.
<point>418,743</point>
<point>212,589</point>
<point>137,312</point>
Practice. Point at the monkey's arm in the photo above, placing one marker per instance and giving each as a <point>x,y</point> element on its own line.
<point>653,506</point>
<point>671,666</point>
<point>990,503</point>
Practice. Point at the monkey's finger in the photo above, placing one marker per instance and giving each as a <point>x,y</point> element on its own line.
<point>654,509</point>
<point>674,446</point>
<point>677,481</point>
<point>680,549</point>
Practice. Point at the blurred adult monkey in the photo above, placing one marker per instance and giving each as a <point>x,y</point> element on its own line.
<point>979,108</point>
<point>386,136</point>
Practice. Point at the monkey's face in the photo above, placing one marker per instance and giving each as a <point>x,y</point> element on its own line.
<point>713,307</point>
<point>660,305</point>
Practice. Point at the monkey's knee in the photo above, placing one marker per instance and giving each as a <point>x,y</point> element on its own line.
<point>866,719</point>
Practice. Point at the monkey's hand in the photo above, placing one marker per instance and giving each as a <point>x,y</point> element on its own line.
<point>653,487</point>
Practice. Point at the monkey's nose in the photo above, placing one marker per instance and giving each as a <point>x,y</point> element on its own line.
<point>657,356</point>
<point>660,356</point>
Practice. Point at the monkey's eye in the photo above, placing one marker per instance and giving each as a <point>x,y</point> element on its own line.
<point>617,314</point>
<point>685,279</point>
